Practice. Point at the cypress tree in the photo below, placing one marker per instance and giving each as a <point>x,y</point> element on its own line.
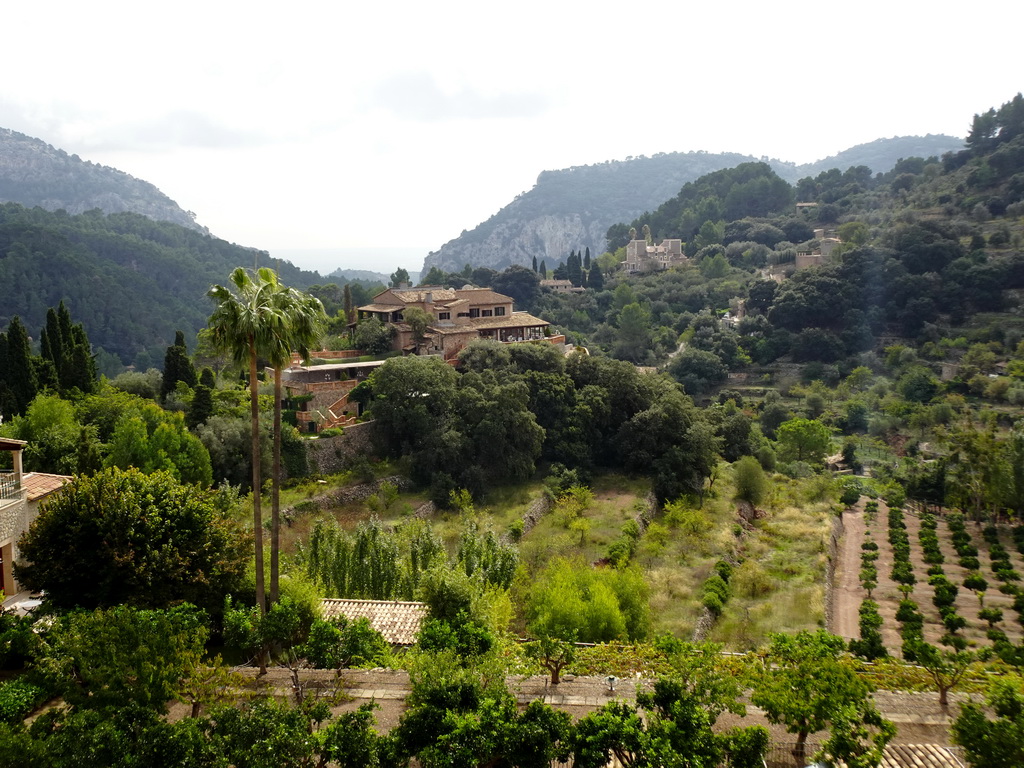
<point>64,321</point>
<point>7,399</point>
<point>574,269</point>
<point>586,259</point>
<point>595,280</point>
<point>21,373</point>
<point>202,406</point>
<point>79,364</point>
<point>543,270</point>
<point>346,303</point>
<point>534,263</point>
<point>54,345</point>
<point>177,367</point>
<point>50,342</point>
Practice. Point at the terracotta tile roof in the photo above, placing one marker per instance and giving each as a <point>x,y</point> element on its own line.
<point>515,320</point>
<point>381,308</point>
<point>39,484</point>
<point>9,444</point>
<point>919,756</point>
<point>483,296</point>
<point>420,294</point>
<point>398,621</point>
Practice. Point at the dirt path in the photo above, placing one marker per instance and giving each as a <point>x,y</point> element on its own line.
<point>847,591</point>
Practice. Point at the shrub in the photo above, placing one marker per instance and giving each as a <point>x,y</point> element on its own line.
<point>992,615</point>
<point>751,483</point>
<point>18,698</point>
<point>953,621</point>
<point>903,573</point>
<point>975,582</point>
<point>713,603</point>
<point>908,613</point>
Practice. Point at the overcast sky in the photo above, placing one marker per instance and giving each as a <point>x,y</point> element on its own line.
<point>357,126</point>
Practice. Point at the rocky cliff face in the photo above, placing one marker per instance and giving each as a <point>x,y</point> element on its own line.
<point>515,240</point>
<point>33,173</point>
<point>571,210</point>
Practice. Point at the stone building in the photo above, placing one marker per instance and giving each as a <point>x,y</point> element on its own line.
<point>827,242</point>
<point>457,316</point>
<point>641,257</point>
<point>561,286</point>
<point>20,496</point>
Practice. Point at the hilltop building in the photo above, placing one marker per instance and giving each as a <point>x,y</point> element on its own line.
<point>641,257</point>
<point>561,286</point>
<point>827,242</point>
<point>457,317</point>
<point>319,394</point>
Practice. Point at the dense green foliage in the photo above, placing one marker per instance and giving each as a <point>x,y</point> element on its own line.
<point>142,539</point>
<point>507,409</point>
<point>65,363</point>
<point>129,280</point>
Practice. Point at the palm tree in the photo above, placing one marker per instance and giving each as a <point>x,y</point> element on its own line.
<point>303,328</point>
<point>246,323</point>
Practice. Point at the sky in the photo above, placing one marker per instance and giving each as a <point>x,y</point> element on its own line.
<point>368,134</point>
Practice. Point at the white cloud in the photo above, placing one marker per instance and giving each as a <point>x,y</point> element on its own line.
<point>325,124</point>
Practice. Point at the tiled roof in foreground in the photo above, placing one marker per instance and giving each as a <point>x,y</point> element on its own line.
<point>398,621</point>
<point>40,484</point>
<point>919,756</point>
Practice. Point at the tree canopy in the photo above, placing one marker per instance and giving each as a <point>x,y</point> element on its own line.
<point>145,540</point>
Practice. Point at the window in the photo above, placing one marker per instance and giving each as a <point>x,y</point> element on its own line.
<point>486,313</point>
<point>444,315</point>
<point>474,312</point>
<point>499,311</point>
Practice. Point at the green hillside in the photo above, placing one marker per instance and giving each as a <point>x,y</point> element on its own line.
<point>130,280</point>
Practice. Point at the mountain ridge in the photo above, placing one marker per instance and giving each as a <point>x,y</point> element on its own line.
<point>572,208</point>
<point>35,173</point>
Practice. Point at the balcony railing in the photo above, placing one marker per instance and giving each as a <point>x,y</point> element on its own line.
<point>10,487</point>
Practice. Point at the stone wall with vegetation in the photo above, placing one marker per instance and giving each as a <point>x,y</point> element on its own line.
<point>330,455</point>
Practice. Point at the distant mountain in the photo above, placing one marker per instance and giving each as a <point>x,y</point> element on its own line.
<point>33,173</point>
<point>573,208</point>
<point>365,275</point>
<point>879,155</point>
<point>130,280</point>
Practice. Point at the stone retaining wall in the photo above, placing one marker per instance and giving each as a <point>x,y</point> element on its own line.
<point>330,455</point>
<point>340,496</point>
<point>830,567</point>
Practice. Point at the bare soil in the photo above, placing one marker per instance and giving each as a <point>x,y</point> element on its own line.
<point>848,594</point>
<point>847,591</point>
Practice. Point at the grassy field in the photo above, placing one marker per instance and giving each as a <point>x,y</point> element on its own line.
<point>778,560</point>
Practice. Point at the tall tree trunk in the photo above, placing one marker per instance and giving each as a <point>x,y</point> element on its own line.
<point>800,749</point>
<point>275,493</point>
<point>257,513</point>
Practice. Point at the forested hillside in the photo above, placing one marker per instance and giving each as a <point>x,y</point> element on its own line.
<point>34,173</point>
<point>130,280</point>
<point>571,209</point>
